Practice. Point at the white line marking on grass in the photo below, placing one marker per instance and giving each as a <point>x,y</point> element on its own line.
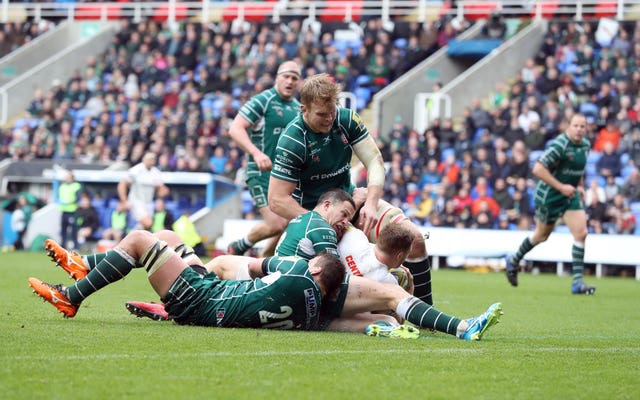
<point>239,354</point>
<point>321,353</point>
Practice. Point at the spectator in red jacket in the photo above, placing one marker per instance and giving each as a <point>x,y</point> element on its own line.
<point>477,205</point>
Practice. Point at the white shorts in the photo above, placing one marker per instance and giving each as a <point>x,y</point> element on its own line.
<point>140,210</point>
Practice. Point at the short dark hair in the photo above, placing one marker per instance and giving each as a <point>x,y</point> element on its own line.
<point>336,196</point>
<point>332,273</point>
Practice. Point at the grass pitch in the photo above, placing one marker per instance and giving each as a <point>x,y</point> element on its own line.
<point>549,345</point>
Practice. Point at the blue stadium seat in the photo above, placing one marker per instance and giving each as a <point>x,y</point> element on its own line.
<point>533,157</point>
<point>591,170</point>
<point>355,45</point>
<point>363,93</point>
<point>624,159</point>
<point>105,217</point>
<point>589,109</point>
<point>362,80</point>
<point>400,43</point>
<point>247,202</point>
<point>446,152</point>
<point>626,170</point>
<point>593,157</point>
<point>341,46</point>
<point>599,178</point>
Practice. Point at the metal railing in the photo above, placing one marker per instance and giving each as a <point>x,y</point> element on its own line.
<point>275,11</point>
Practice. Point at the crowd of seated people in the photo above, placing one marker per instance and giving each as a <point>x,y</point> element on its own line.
<point>175,93</point>
<point>15,34</point>
<point>479,175</point>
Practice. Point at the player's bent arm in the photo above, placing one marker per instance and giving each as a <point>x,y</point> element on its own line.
<point>229,267</point>
<point>239,133</point>
<point>543,173</point>
<point>280,200</point>
<point>256,268</point>
<point>367,151</point>
<point>123,190</point>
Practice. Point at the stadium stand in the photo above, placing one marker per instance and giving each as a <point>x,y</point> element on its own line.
<point>173,88</point>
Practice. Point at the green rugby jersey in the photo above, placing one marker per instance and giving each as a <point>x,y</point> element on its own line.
<point>287,298</point>
<point>566,161</point>
<point>268,114</point>
<point>318,162</point>
<point>306,236</point>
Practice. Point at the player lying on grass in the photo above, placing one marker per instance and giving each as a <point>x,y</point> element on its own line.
<point>376,296</point>
<point>318,230</point>
<point>288,297</point>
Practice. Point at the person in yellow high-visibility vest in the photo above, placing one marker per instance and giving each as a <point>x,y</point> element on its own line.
<point>162,218</point>
<point>186,230</point>
<point>68,198</point>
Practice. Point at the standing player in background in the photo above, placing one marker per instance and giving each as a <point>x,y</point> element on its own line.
<point>559,193</point>
<point>143,182</point>
<point>314,155</point>
<point>256,128</point>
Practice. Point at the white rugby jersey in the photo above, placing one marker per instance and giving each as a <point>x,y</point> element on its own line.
<point>359,258</point>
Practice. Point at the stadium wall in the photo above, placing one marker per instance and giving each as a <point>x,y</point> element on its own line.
<point>453,247</point>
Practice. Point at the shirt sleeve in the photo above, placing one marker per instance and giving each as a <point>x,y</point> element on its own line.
<point>289,156</point>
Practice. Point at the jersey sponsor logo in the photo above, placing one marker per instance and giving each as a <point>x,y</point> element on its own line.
<point>351,263</point>
<point>330,175</point>
<point>282,170</point>
<point>326,140</point>
<point>569,171</point>
<point>283,159</point>
<point>219,315</point>
<point>344,139</point>
<point>310,300</point>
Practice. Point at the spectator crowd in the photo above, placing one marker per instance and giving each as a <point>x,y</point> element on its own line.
<point>175,92</point>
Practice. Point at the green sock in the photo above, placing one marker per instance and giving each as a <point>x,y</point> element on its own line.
<point>91,260</point>
<point>577,254</point>
<point>421,271</point>
<point>115,266</point>
<point>524,248</point>
<point>424,315</point>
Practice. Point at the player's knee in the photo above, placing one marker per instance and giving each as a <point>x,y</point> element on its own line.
<point>168,236</point>
<point>581,235</point>
<point>137,241</point>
